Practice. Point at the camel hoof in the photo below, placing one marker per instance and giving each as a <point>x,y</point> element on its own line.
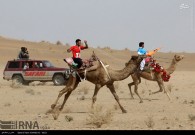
<point>132,98</point>
<point>53,106</point>
<point>124,111</point>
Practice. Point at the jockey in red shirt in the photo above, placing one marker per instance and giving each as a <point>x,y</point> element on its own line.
<point>76,49</point>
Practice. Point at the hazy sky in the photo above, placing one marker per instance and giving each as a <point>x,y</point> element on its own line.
<point>116,23</point>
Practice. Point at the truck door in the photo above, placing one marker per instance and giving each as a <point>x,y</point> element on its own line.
<point>39,71</point>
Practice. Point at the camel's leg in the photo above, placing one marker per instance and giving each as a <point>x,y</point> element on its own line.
<point>162,87</point>
<point>94,98</point>
<point>62,92</point>
<point>135,90</point>
<point>68,94</point>
<point>136,82</point>
<point>112,90</point>
<point>165,91</point>
<point>59,95</point>
<point>130,85</point>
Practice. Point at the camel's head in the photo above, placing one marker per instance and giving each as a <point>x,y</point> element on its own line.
<point>93,57</point>
<point>135,60</point>
<point>178,58</point>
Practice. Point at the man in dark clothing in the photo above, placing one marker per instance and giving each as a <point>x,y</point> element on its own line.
<point>23,53</point>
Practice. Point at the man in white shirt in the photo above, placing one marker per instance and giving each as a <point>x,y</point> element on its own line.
<point>26,66</point>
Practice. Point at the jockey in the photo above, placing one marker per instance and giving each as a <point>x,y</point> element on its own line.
<point>142,51</point>
<point>76,49</point>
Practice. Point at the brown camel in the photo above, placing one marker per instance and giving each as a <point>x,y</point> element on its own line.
<point>100,77</point>
<point>153,76</point>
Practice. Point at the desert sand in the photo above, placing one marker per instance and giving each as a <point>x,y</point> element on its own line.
<point>32,103</point>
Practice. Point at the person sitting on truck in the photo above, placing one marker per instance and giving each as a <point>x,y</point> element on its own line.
<point>36,65</point>
<point>26,66</point>
<point>23,54</point>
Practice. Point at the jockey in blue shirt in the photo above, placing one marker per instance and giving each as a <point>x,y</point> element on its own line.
<point>141,50</point>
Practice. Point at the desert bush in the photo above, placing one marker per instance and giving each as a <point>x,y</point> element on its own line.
<point>82,98</point>
<point>30,91</point>
<point>107,48</point>
<point>192,102</point>
<point>68,118</point>
<point>97,117</point>
<point>191,117</point>
<point>116,107</point>
<point>7,104</point>
<point>150,122</point>
<point>58,43</point>
<point>85,90</point>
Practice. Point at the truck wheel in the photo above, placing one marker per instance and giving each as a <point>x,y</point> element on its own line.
<point>58,80</point>
<point>18,79</point>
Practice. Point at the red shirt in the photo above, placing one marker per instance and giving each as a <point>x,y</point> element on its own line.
<point>76,50</point>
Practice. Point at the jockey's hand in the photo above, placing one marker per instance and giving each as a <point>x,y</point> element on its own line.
<point>85,41</point>
<point>68,50</point>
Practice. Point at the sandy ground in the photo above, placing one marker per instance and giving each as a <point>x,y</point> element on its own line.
<point>30,103</point>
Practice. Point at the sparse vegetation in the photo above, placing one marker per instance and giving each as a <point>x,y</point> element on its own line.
<point>192,102</point>
<point>116,107</point>
<point>150,122</point>
<point>82,98</point>
<point>191,117</point>
<point>98,117</point>
<point>30,91</point>
<point>85,90</point>
<point>68,118</point>
<point>58,43</point>
<point>7,104</point>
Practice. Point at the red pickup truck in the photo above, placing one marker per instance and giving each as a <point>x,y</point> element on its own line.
<point>26,71</point>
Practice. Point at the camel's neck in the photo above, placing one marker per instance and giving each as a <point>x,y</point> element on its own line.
<point>118,75</point>
<point>172,67</point>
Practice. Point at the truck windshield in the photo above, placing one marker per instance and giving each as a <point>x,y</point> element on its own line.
<point>48,64</point>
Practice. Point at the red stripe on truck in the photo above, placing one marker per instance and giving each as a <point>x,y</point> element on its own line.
<point>35,73</point>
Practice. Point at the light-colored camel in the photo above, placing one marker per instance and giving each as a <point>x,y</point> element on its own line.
<point>153,76</point>
<point>100,78</point>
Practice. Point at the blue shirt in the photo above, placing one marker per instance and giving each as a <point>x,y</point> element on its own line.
<point>141,51</point>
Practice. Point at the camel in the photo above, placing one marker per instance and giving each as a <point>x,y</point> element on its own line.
<point>100,77</point>
<point>153,76</point>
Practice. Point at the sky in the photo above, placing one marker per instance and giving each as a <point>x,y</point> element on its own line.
<point>118,24</point>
